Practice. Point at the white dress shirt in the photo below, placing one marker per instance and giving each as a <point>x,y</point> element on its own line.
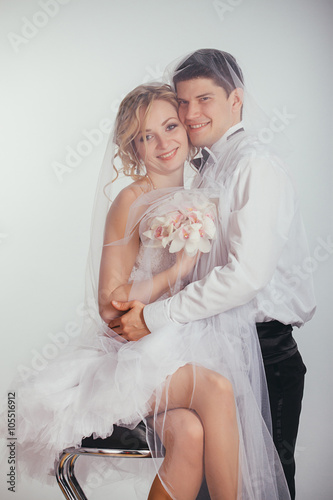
<point>266,247</point>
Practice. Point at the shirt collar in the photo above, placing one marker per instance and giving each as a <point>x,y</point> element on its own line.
<point>217,145</point>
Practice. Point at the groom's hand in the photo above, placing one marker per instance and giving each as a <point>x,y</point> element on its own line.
<point>131,325</point>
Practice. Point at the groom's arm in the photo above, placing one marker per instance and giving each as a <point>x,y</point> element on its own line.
<point>258,229</point>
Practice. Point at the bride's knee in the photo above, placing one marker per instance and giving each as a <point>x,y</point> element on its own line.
<point>189,443</point>
<point>192,432</point>
<point>216,387</point>
<point>220,384</point>
<point>186,433</point>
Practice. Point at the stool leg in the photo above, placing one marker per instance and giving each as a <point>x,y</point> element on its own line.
<point>62,476</point>
<point>66,477</point>
<point>73,481</point>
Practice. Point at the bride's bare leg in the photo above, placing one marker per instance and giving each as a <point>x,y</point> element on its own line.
<point>213,400</point>
<point>182,433</point>
<point>157,491</point>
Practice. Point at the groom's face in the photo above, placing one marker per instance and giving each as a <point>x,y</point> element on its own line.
<point>206,110</point>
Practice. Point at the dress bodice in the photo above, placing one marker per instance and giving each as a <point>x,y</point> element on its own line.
<point>160,260</point>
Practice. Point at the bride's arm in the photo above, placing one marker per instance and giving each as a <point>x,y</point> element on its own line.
<point>118,260</point>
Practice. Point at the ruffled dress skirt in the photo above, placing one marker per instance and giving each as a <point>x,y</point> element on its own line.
<point>90,388</point>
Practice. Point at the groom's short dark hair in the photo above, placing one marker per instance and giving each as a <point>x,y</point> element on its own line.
<point>211,63</point>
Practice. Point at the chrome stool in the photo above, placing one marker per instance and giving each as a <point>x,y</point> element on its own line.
<point>117,445</point>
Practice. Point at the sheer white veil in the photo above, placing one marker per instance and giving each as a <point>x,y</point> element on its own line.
<point>221,64</point>
<point>230,343</point>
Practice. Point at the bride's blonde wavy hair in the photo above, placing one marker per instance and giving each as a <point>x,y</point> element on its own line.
<point>128,124</point>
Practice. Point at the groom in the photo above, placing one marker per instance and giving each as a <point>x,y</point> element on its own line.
<point>265,237</point>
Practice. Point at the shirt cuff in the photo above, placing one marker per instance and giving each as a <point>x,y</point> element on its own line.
<point>157,314</point>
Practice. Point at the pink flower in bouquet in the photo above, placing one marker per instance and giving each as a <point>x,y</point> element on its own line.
<point>178,219</point>
<point>159,233</point>
<point>194,237</point>
<point>191,227</point>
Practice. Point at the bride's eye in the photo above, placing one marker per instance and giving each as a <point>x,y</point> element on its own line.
<point>148,137</point>
<point>172,126</point>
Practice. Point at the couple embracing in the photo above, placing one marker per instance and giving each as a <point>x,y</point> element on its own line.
<point>194,293</point>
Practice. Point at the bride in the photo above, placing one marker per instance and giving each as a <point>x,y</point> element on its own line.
<point>147,243</point>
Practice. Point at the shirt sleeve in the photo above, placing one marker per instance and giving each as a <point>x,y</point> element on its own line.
<point>262,209</point>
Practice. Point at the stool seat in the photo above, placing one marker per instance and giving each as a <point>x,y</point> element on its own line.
<point>121,437</point>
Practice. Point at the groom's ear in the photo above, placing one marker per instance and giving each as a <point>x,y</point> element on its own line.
<point>237,96</point>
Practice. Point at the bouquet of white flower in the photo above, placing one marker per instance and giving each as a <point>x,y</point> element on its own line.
<point>190,226</point>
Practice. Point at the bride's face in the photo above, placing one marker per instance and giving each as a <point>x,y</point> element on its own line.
<point>165,147</point>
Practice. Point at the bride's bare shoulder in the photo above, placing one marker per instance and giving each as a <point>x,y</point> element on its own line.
<point>129,194</point>
<point>126,197</point>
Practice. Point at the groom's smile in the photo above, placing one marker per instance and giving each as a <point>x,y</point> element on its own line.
<point>197,126</point>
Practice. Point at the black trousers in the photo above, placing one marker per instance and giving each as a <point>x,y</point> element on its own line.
<point>285,381</point>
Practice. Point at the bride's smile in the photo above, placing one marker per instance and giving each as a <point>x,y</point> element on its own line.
<point>168,156</point>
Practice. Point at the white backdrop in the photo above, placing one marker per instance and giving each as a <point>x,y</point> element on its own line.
<point>65,65</point>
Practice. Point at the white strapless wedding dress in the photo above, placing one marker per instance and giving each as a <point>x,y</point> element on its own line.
<point>90,388</point>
